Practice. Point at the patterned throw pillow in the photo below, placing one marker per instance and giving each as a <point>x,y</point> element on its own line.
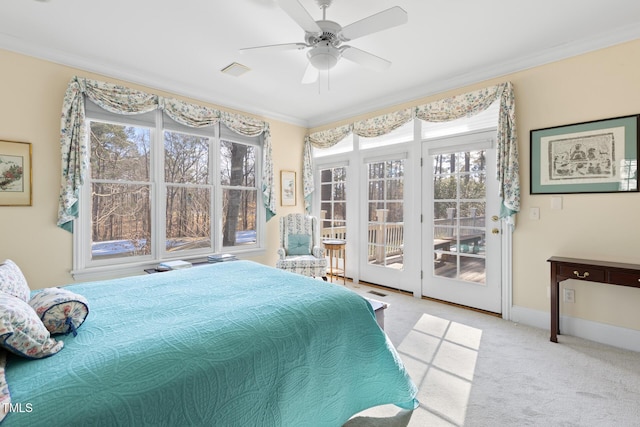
<point>12,281</point>
<point>5,396</point>
<point>22,332</point>
<point>61,311</point>
<point>299,244</point>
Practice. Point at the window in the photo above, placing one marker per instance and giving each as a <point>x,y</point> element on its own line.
<point>333,202</point>
<point>345,145</point>
<point>397,136</point>
<point>160,190</point>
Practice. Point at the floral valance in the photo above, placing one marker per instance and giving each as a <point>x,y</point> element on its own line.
<point>122,100</point>
<point>448,109</point>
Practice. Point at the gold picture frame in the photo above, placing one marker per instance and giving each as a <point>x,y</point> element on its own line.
<point>287,188</point>
<point>15,173</point>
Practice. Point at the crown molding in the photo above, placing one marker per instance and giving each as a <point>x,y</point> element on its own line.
<point>553,54</point>
<point>131,75</point>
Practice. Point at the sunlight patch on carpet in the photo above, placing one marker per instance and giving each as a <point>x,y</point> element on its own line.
<point>441,355</point>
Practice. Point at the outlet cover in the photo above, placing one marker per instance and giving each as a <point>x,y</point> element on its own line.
<point>569,296</point>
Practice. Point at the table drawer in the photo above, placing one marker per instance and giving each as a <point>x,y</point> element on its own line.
<point>582,273</point>
<point>626,279</point>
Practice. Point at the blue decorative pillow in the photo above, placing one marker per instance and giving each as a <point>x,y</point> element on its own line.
<point>299,244</point>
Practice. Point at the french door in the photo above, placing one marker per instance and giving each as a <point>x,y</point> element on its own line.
<point>383,224</point>
<point>461,251</point>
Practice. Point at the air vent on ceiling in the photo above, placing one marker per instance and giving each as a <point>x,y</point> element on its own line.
<point>235,69</point>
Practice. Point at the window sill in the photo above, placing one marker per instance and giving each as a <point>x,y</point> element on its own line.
<point>123,270</point>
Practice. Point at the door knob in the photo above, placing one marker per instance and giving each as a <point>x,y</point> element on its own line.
<point>495,231</point>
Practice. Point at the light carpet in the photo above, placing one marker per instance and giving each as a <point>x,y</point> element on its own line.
<point>474,369</point>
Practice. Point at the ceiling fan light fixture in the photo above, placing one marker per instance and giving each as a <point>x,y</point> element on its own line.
<point>324,57</point>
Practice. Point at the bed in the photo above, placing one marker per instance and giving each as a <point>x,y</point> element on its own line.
<point>226,344</point>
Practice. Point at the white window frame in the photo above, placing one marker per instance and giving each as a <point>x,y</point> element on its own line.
<point>84,268</point>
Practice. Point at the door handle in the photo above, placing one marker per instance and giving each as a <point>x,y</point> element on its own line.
<point>495,231</point>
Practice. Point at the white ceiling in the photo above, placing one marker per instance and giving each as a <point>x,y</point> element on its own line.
<point>181,46</point>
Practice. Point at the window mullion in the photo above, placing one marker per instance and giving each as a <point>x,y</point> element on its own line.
<point>159,190</point>
<point>216,191</point>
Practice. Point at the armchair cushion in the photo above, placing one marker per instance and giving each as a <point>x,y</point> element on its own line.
<point>299,244</point>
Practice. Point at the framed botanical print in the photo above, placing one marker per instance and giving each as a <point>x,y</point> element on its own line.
<point>287,188</point>
<point>15,173</point>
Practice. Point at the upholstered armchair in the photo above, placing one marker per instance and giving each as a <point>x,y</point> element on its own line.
<point>300,250</point>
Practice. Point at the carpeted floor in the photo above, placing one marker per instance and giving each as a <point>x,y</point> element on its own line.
<point>475,369</point>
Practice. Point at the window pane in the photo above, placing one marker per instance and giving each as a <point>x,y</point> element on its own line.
<point>120,220</point>
<point>188,218</point>
<point>344,146</point>
<point>237,164</point>
<point>402,134</point>
<point>186,158</point>
<point>340,174</point>
<point>239,212</point>
<point>340,211</point>
<point>395,169</point>
<point>445,187</point>
<point>395,189</point>
<point>376,190</point>
<point>340,191</point>
<point>119,152</point>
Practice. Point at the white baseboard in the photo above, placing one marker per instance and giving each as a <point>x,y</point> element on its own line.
<point>599,332</point>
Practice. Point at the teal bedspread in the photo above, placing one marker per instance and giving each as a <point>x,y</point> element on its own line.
<point>229,344</point>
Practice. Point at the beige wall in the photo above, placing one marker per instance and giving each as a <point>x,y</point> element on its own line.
<point>598,85</point>
<point>593,86</point>
<point>31,93</point>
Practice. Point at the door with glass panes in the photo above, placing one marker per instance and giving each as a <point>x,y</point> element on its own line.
<point>382,225</point>
<point>461,231</point>
<point>333,211</point>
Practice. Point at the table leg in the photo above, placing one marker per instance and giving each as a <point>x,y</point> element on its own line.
<point>331,263</point>
<point>344,266</point>
<point>555,305</point>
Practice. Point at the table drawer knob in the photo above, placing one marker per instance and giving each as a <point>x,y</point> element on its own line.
<point>585,275</point>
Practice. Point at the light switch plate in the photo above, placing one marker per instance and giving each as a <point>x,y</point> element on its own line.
<point>534,213</point>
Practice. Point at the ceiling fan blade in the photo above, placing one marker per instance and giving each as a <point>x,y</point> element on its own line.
<point>365,59</point>
<point>310,74</point>
<point>277,47</point>
<point>294,9</point>
<point>380,21</point>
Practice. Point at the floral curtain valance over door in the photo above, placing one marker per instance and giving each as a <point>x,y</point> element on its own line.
<point>123,100</point>
<point>465,105</point>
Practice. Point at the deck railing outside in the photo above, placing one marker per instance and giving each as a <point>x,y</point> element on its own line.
<point>387,239</point>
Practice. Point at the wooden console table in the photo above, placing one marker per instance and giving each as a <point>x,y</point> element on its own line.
<point>609,273</point>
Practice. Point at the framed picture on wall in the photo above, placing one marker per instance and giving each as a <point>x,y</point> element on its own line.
<point>287,188</point>
<point>592,157</point>
<point>15,173</point>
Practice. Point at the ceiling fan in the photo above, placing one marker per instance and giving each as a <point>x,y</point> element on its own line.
<point>324,38</point>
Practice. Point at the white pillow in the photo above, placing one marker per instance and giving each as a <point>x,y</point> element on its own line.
<point>60,310</point>
<point>5,396</point>
<point>12,281</point>
<point>22,332</point>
